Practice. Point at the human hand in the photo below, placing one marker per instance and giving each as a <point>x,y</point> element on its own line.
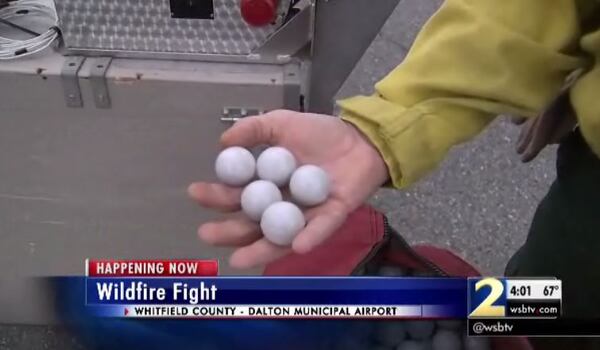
<point>355,167</point>
<point>551,126</point>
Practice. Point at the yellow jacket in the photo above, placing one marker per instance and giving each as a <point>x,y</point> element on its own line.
<point>474,60</point>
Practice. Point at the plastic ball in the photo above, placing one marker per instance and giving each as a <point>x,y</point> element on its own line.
<point>235,166</point>
<point>477,343</point>
<point>276,164</point>
<point>310,185</point>
<point>446,340</point>
<point>390,333</point>
<point>257,197</point>
<point>281,222</point>
<point>420,330</point>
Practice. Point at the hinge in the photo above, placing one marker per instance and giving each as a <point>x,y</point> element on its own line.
<point>98,81</point>
<point>70,81</point>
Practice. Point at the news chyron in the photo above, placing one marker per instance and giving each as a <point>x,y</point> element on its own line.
<point>510,306</point>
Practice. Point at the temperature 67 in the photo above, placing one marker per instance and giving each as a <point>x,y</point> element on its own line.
<point>549,290</point>
<point>533,289</point>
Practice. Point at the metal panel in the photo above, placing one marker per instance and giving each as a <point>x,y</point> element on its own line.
<point>148,26</point>
<point>292,88</point>
<point>293,36</point>
<point>344,30</point>
<point>110,183</point>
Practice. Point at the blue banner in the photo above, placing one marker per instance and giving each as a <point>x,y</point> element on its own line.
<point>108,333</point>
<point>275,290</point>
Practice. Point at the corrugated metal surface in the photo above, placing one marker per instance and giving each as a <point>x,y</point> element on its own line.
<point>147,26</point>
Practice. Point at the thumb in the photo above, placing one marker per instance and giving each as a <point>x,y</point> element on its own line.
<point>253,131</point>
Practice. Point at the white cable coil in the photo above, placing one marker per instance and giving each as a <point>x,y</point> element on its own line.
<point>14,48</point>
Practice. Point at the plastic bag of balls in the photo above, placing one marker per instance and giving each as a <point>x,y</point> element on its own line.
<point>410,335</point>
<point>264,180</point>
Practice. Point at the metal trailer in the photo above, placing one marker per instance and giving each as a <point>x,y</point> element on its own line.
<point>100,138</point>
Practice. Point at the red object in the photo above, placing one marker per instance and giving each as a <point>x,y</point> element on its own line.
<point>259,12</point>
<point>357,242</point>
<point>151,268</point>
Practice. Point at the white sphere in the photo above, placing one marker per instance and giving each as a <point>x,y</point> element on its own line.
<point>446,340</point>
<point>420,330</point>
<point>390,333</point>
<point>258,196</point>
<point>235,166</point>
<point>276,164</point>
<point>281,222</point>
<point>310,185</point>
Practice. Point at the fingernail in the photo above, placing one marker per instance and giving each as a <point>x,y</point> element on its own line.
<point>192,189</point>
<point>204,234</point>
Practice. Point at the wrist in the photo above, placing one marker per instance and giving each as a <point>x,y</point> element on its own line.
<point>372,156</point>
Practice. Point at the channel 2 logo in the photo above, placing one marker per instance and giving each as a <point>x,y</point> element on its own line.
<point>487,297</point>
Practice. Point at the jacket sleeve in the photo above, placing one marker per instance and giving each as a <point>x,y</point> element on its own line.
<point>473,60</point>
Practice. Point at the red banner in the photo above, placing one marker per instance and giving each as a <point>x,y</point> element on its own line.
<point>151,268</point>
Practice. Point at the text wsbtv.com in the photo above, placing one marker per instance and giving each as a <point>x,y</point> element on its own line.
<point>539,310</point>
<point>528,310</point>
<point>498,327</point>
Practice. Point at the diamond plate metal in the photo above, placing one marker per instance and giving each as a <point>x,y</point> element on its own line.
<point>147,26</point>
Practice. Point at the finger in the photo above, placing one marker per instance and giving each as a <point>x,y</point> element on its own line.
<point>526,135</point>
<point>258,253</point>
<point>540,135</point>
<point>320,227</point>
<point>253,131</point>
<point>235,232</point>
<point>548,122</point>
<point>545,127</point>
<point>313,212</point>
<point>216,196</point>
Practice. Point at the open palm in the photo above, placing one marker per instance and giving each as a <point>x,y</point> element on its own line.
<point>355,167</point>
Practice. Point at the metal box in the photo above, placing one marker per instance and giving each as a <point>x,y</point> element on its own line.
<point>98,147</point>
<point>111,182</point>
